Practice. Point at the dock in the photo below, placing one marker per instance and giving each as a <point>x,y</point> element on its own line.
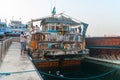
<point>17,67</point>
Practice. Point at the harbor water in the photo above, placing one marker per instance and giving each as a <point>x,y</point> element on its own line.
<point>87,70</point>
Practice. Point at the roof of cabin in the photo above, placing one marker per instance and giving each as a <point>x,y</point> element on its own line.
<point>59,20</point>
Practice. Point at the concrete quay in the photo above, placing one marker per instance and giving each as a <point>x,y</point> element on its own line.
<point>17,67</point>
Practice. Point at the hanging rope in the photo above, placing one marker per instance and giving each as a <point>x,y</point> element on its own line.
<point>51,75</point>
<point>88,78</point>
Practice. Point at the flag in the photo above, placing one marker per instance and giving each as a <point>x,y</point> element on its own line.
<point>54,11</point>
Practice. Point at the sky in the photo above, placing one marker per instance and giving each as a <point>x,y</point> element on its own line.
<point>103,16</point>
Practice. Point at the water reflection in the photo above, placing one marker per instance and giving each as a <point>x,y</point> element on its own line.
<point>88,70</point>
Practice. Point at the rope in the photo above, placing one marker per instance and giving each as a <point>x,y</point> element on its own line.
<point>92,77</point>
<point>9,73</point>
<point>88,78</point>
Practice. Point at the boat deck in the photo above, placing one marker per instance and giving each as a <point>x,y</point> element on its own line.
<point>17,67</point>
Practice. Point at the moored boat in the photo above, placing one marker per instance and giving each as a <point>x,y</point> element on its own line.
<point>16,27</point>
<point>104,47</point>
<point>59,41</point>
<point>4,30</point>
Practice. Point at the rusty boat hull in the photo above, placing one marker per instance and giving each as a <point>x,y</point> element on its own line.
<point>104,47</point>
<point>56,63</point>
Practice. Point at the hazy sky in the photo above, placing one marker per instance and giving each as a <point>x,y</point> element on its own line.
<point>103,16</point>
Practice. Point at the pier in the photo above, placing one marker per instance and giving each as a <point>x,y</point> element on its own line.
<point>14,66</point>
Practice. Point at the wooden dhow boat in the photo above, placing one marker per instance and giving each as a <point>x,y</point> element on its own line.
<point>59,41</point>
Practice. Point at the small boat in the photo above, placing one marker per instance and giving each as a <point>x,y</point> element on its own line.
<point>59,41</point>
<point>16,26</point>
<point>4,30</point>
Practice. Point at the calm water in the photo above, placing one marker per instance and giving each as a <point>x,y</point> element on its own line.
<point>88,70</point>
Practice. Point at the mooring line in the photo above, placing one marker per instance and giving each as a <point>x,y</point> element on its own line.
<point>87,78</point>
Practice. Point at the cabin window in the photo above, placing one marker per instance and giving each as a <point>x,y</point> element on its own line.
<point>71,37</point>
<point>52,27</point>
<point>57,27</point>
<point>44,28</point>
<point>64,27</point>
<point>1,25</point>
<point>15,26</point>
<point>11,26</point>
